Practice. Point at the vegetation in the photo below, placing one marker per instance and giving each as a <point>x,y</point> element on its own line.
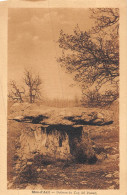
<point>33,83</point>
<point>16,93</point>
<point>61,103</point>
<point>93,56</point>
<point>30,91</point>
<point>94,98</point>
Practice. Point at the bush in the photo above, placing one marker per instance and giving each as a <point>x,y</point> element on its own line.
<point>94,98</point>
<point>83,150</point>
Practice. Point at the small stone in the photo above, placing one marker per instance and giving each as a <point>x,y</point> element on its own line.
<point>49,166</point>
<point>109,175</point>
<point>83,182</point>
<point>112,187</point>
<point>108,181</point>
<point>116,174</point>
<point>45,170</point>
<point>107,147</point>
<point>17,166</point>
<point>34,187</point>
<point>113,157</point>
<point>62,175</point>
<point>14,178</point>
<point>30,187</point>
<point>101,156</point>
<point>10,185</point>
<point>116,181</point>
<point>38,187</point>
<point>29,163</point>
<point>18,118</point>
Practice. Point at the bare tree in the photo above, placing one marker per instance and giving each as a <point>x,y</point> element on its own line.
<point>33,83</point>
<point>16,93</point>
<point>93,56</point>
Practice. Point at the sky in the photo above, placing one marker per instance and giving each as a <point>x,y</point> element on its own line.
<point>33,44</point>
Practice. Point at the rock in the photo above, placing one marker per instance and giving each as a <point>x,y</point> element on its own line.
<point>98,121</point>
<point>55,139</point>
<point>108,182</point>
<point>19,118</point>
<point>65,117</point>
<point>95,118</point>
<point>38,187</point>
<point>116,181</point>
<point>17,166</point>
<point>116,174</point>
<point>45,170</point>
<point>83,182</point>
<point>34,187</point>
<point>10,185</point>
<point>29,163</point>
<point>109,175</point>
<point>92,116</point>
<point>113,157</point>
<point>48,166</point>
<point>112,187</point>
<point>101,156</point>
<point>100,115</point>
<point>15,104</point>
<point>107,147</point>
<point>29,187</point>
<point>38,170</point>
<point>62,175</point>
<point>85,116</point>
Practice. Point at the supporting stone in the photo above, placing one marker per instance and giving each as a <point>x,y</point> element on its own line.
<point>58,142</point>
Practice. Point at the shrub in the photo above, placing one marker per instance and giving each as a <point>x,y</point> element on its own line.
<point>94,98</point>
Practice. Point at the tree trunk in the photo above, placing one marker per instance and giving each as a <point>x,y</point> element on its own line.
<point>30,94</point>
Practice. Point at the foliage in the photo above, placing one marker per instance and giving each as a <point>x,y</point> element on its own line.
<point>94,98</point>
<point>93,56</point>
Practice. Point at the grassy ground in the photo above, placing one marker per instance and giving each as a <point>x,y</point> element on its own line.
<point>37,173</point>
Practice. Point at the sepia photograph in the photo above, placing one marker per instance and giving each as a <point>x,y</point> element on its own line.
<point>63,99</point>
